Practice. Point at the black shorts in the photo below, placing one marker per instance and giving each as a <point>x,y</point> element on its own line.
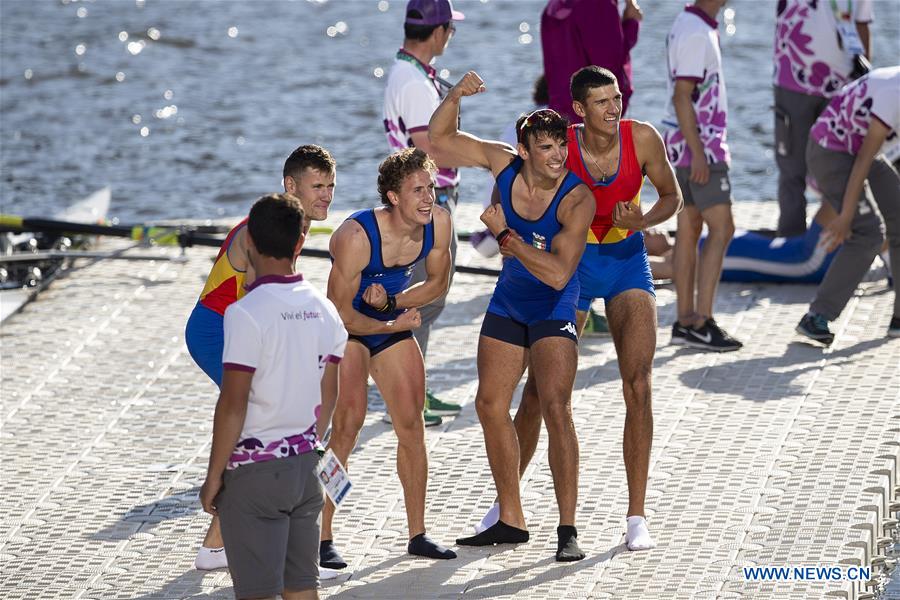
<point>520,334</point>
<point>382,342</point>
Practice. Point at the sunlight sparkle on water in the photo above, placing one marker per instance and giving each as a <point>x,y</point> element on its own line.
<point>378,72</point>
<point>80,49</point>
<point>28,73</point>
<point>136,119</point>
<point>135,47</point>
<point>445,73</point>
<point>81,12</point>
<point>145,131</point>
<point>383,5</point>
<point>120,76</point>
<point>153,33</point>
<point>524,27</point>
<point>341,27</point>
<point>232,32</point>
<point>525,38</point>
<point>123,35</point>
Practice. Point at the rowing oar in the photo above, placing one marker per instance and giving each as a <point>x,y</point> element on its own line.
<point>184,236</point>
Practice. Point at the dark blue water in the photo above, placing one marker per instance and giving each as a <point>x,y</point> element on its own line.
<point>214,94</point>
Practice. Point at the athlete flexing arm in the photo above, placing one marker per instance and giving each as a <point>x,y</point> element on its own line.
<point>556,267</point>
<point>350,248</point>
<point>437,271</point>
<point>445,136</point>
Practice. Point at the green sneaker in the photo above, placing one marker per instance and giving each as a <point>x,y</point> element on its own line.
<point>596,324</point>
<point>431,419</point>
<point>436,406</point>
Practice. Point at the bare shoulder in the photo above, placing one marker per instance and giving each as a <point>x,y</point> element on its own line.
<point>580,204</point>
<point>237,250</point>
<point>349,239</point>
<point>441,217</point>
<point>644,132</point>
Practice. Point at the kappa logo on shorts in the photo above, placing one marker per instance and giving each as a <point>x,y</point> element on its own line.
<point>569,328</point>
<point>539,241</point>
<point>723,183</point>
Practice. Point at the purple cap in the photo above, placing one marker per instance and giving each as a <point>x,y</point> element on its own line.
<point>434,12</point>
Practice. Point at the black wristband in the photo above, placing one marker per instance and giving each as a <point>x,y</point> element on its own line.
<point>502,236</point>
<point>390,305</point>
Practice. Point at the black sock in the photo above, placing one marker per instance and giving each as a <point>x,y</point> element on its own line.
<point>498,533</point>
<point>567,549</point>
<point>422,545</point>
<point>329,557</point>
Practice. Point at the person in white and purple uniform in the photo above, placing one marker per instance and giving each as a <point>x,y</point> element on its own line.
<point>413,92</point>
<point>844,155</point>
<point>810,68</point>
<point>696,141</point>
<point>283,342</point>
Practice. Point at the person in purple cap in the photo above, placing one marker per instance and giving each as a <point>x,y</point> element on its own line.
<point>413,92</point>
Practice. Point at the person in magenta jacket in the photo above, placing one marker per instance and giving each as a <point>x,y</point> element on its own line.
<point>579,33</point>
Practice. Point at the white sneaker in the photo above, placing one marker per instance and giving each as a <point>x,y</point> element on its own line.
<point>209,559</point>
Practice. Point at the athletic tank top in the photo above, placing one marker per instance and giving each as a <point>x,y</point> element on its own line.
<point>523,295</point>
<point>393,279</point>
<point>625,185</point>
<point>225,284</point>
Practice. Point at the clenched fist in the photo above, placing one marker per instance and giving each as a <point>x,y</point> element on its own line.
<point>469,85</point>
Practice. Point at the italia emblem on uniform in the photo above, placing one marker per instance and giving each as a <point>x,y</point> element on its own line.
<point>539,241</point>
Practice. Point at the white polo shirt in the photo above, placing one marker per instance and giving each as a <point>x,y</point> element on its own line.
<point>844,123</point>
<point>694,54</point>
<point>283,331</point>
<point>808,57</point>
<point>412,95</point>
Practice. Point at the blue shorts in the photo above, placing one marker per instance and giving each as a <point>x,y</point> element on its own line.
<point>380,342</point>
<point>513,332</point>
<point>607,270</point>
<point>205,338</point>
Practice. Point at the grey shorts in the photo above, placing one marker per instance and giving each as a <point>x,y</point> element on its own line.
<point>270,523</point>
<point>715,191</point>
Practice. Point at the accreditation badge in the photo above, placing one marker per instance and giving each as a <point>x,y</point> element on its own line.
<point>334,478</point>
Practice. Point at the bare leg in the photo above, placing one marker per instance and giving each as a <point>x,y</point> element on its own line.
<point>690,225</point>
<point>721,229</point>
<point>349,415</point>
<point>312,594</point>
<point>554,361</point>
<point>213,537</point>
<point>528,415</point>
<point>500,367</point>
<point>632,321</point>
<point>399,373</point>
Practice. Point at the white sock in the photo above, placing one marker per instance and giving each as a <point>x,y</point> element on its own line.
<point>326,573</point>
<point>491,518</point>
<point>638,536</point>
<point>210,558</point>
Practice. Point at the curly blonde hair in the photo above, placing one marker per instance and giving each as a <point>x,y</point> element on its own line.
<point>396,167</point>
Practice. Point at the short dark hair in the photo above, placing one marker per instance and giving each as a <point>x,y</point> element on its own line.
<point>309,155</point>
<point>540,94</point>
<point>542,121</point>
<point>419,33</point>
<point>589,77</point>
<point>396,167</point>
<point>275,225</point>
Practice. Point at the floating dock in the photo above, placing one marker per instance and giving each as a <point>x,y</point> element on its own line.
<point>780,455</point>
